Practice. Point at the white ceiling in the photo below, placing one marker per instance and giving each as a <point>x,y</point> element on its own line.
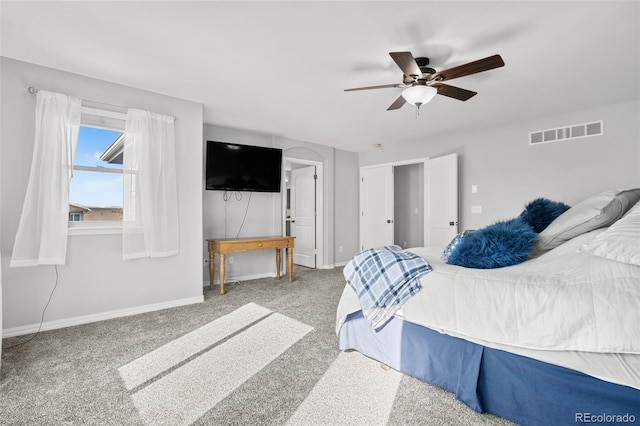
<point>280,67</point>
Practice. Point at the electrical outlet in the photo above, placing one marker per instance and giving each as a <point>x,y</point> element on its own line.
<point>230,260</point>
<point>476,209</point>
<point>340,249</point>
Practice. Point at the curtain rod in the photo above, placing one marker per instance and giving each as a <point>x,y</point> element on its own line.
<point>32,90</point>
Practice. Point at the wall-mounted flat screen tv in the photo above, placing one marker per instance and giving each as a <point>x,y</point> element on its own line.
<point>234,167</point>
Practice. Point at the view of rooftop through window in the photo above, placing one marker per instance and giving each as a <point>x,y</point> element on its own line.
<point>96,192</point>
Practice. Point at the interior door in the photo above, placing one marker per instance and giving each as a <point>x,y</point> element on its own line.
<point>303,215</point>
<point>376,201</point>
<point>441,200</point>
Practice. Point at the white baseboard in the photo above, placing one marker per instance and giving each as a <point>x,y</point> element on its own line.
<point>85,319</point>
<point>228,279</point>
<point>341,264</point>
<point>216,280</point>
<point>330,266</point>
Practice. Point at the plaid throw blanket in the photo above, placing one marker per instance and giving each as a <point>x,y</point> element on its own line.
<point>384,278</point>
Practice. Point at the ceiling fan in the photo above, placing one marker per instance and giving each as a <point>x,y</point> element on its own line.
<point>421,83</point>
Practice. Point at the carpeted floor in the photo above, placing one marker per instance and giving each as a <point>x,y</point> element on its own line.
<point>103,373</point>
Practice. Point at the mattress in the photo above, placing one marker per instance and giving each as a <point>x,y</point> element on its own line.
<point>566,308</point>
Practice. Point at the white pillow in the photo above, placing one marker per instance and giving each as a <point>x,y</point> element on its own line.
<point>621,241</point>
<point>595,212</point>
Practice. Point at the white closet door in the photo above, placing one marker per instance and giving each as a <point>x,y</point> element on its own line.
<point>441,200</point>
<point>376,202</point>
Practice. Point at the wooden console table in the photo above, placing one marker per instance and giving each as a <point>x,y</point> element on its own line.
<point>224,246</point>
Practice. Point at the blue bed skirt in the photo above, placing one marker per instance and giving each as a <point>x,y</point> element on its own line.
<point>517,388</point>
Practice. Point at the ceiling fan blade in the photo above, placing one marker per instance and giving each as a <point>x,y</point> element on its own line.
<point>407,63</point>
<point>454,92</point>
<point>474,67</point>
<point>397,104</point>
<point>384,86</point>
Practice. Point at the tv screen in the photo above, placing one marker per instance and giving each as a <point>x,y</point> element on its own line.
<point>234,167</point>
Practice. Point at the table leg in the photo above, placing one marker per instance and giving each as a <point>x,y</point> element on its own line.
<point>290,263</point>
<point>278,263</point>
<point>221,272</point>
<point>212,258</point>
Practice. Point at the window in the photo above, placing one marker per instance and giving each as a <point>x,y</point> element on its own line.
<point>96,188</point>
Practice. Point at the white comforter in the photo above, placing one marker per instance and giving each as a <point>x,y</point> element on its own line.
<point>564,300</point>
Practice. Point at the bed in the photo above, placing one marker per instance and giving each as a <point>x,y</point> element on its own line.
<point>552,340</point>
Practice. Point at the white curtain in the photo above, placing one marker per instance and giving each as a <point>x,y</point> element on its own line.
<point>150,217</point>
<point>42,232</point>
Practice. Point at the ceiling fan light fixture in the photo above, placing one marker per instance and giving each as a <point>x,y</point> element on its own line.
<point>419,95</point>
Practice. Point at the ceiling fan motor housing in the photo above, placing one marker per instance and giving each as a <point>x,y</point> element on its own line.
<point>427,72</point>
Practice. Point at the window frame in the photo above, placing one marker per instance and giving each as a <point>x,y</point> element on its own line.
<point>113,119</point>
<point>74,214</point>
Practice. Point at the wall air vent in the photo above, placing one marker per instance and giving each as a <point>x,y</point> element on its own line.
<point>574,131</point>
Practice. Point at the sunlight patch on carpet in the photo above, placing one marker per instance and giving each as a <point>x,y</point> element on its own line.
<point>354,390</point>
<point>166,357</point>
<point>186,393</point>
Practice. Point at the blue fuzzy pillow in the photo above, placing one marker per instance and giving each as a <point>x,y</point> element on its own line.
<point>540,212</point>
<point>504,243</point>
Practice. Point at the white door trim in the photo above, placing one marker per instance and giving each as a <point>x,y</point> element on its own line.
<point>397,163</point>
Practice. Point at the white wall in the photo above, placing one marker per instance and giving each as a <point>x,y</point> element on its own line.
<point>262,219</point>
<point>346,206</point>
<point>509,172</point>
<point>96,282</point>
